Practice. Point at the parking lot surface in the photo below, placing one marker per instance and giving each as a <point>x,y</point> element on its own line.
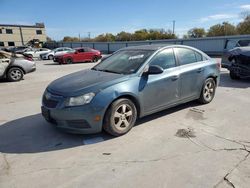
<point>190,145</point>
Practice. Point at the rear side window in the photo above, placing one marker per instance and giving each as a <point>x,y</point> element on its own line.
<point>185,56</point>
<point>198,56</point>
<point>164,59</point>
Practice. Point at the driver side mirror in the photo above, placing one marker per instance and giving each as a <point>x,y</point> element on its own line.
<point>155,69</point>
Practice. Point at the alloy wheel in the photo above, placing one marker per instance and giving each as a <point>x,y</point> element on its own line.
<point>123,116</point>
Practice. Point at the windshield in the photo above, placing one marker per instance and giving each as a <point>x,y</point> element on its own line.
<point>124,62</point>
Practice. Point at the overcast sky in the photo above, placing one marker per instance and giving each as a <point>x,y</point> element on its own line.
<point>71,17</point>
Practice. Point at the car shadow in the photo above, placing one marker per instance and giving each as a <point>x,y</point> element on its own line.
<point>226,81</point>
<point>54,63</point>
<point>32,134</point>
<point>167,111</point>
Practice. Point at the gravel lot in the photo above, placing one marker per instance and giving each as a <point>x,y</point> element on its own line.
<point>188,146</point>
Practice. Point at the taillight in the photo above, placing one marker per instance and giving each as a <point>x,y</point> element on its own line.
<point>28,58</point>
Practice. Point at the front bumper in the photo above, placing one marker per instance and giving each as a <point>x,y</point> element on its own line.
<point>80,119</point>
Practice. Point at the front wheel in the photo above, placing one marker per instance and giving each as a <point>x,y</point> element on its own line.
<point>208,91</point>
<point>95,59</point>
<point>14,74</point>
<point>233,75</point>
<point>120,117</point>
<point>69,61</point>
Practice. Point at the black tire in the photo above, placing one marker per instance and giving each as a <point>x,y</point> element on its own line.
<point>118,119</point>
<point>208,91</point>
<point>50,57</point>
<point>233,75</point>
<point>15,74</point>
<point>95,59</point>
<point>69,61</point>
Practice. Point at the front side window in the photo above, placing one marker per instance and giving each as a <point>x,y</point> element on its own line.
<point>124,61</point>
<point>81,50</point>
<point>38,32</point>
<point>9,31</point>
<point>164,59</point>
<point>11,44</point>
<point>185,56</point>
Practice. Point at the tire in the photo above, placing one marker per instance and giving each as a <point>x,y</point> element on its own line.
<point>69,61</point>
<point>15,74</point>
<point>94,59</point>
<point>120,117</point>
<point>50,57</point>
<point>208,91</point>
<point>233,75</point>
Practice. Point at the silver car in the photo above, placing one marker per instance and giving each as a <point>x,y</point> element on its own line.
<point>13,67</point>
<point>58,51</point>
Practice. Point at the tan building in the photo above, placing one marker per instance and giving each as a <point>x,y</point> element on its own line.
<point>19,35</point>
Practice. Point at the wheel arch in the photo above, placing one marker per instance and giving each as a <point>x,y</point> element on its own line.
<point>15,66</point>
<point>126,96</point>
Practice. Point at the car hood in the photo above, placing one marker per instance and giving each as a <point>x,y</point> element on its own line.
<point>84,81</point>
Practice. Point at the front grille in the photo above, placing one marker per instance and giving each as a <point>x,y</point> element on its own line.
<point>49,102</point>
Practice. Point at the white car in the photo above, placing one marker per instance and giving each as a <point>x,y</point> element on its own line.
<point>36,52</point>
<point>57,51</point>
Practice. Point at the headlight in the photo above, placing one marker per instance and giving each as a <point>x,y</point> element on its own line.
<point>80,100</point>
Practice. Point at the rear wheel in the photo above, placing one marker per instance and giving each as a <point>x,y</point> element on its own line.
<point>120,117</point>
<point>50,57</point>
<point>208,91</point>
<point>15,74</point>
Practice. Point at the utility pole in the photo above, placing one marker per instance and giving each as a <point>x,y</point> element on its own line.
<point>79,37</point>
<point>89,33</point>
<point>173,26</point>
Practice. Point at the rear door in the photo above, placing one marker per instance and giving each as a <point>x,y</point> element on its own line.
<point>191,72</point>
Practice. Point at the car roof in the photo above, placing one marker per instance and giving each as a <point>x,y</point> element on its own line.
<point>154,47</point>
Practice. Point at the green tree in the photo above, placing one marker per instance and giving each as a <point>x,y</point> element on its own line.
<point>222,30</point>
<point>196,33</point>
<point>108,37</point>
<point>123,36</point>
<point>70,39</point>
<point>243,27</point>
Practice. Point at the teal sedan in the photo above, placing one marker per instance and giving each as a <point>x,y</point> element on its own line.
<point>131,83</point>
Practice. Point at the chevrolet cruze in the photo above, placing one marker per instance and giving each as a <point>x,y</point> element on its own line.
<point>131,83</point>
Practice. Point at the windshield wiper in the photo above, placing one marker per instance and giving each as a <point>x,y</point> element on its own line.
<point>110,71</point>
<point>105,70</point>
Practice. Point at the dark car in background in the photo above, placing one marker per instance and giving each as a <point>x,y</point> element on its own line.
<point>131,83</point>
<point>83,54</point>
<point>236,58</point>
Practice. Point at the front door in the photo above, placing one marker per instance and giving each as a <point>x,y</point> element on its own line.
<point>160,90</point>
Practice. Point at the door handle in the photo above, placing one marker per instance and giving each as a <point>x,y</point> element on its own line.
<point>200,70</point>
<point>175,77</point>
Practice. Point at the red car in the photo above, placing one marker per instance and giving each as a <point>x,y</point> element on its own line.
<point>83,54</point>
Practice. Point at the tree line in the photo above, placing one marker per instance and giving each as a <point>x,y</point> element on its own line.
<point>223,29</point>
